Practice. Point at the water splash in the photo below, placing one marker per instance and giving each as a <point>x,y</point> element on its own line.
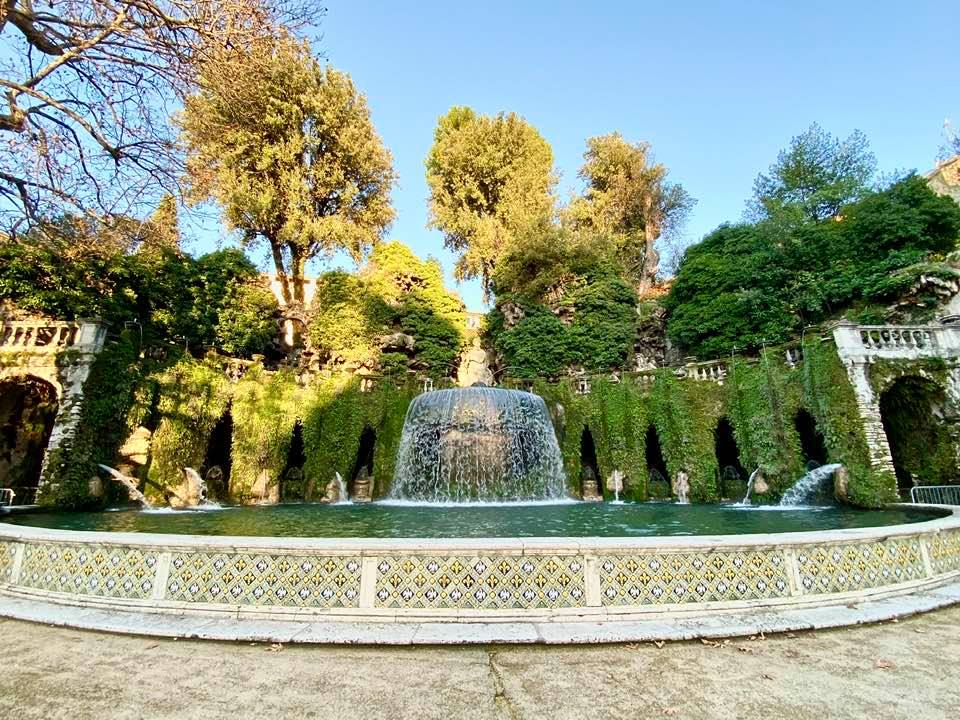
<point>128,483</point>
<point>343,498</point>
<point>806,489</point>
<point>478,444</point>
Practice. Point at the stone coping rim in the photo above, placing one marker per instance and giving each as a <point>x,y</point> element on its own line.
<point>363,546</point>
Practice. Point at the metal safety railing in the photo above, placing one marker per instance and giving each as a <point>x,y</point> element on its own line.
<point>935,494</point>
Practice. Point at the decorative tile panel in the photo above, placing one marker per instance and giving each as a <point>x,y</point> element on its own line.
<point>108,571</point>
<point>7,550</point>
<point>944,551</point>
<point>670,578</point>
<point>481,582</point>
<point>314,581</point>
<point>846,568</point>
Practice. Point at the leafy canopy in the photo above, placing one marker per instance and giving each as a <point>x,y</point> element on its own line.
<point>752,283</point>
<point>813,178</point>
<point>395,292</point>
<point>288,149</point>
<point>628,199</point>
<point>491,181</point>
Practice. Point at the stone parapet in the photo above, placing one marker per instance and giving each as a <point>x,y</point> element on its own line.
<point>475,580</point>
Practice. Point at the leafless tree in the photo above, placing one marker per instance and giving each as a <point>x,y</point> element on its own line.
<point>88,88</point>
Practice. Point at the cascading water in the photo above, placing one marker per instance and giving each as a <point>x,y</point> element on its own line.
<point>806,489</point>
<point>478,444</point>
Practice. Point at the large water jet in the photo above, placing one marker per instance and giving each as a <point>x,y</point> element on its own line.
<point>478,444</point>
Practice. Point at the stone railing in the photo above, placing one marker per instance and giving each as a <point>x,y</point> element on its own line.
<point>897,341</point>
<point>715,370</point>
<point>42,336</point>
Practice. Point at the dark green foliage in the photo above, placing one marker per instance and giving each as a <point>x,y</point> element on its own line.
<point>599,336</point>
<point>749,284</point>
<point>247,323</point>
<point>538,346</point>
<point>173,296</point>
<point>396,292</point>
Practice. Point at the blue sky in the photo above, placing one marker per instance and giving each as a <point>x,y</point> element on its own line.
<point>717,88</point>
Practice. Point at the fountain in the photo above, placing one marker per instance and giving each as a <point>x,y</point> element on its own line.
<point>128,483</point>
<point>755,477</point>
<point>478,444</point>
<point>806,489</point>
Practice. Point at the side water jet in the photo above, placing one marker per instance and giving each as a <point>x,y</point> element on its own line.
<point>806,489</point>
<point>128,483</point>
<point>478,444</point>
<point>750,482</point>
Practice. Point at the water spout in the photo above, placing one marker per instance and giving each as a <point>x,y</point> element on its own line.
<point>128,483</point>
<point>342,497</point>
<point>750,482</point>
<point>478,444</point>
<point>806,489</point>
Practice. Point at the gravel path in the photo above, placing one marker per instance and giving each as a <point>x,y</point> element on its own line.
<point>907,669</point>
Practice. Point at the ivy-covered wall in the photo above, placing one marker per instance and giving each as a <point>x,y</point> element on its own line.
<point>760,399</point>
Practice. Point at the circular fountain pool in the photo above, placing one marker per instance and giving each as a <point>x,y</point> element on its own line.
<point>412,520</point>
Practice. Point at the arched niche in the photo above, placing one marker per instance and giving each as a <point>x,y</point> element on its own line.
<point>28,410</point>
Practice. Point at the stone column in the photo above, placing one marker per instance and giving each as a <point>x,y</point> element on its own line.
<point>852,354</point>
<point>87,344</point>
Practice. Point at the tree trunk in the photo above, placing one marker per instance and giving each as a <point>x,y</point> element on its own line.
<point>297,264</point>
<point>281,270</point>
<point>651,260</point>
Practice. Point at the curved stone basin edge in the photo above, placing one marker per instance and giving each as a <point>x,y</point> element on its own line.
<point>476,580</point>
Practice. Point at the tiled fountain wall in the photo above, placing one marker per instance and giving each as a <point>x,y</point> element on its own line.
<point>459,579</point>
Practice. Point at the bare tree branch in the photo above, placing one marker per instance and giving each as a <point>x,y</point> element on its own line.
<point>88,89</point>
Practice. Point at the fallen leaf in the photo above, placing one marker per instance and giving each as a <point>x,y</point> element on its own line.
<point>275,648</point>
<point>894,620</point>
<point>151,647</point>
<point>767,677</point>
<point>670,711</point>
<point>919,630</point>
<point>658,643</point>
<point>884,664</point>
<point>792,636</point>
<point>744,649</point>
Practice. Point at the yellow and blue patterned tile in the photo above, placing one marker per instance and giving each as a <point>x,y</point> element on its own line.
<point>648,578</point>
<point>312,581</point>
<point>945,551</point>
<point>108,571</point>
<point>7,551</point>
<point>480,582</point>
<point>859,566</point>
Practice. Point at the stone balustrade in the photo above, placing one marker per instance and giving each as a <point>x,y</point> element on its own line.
<point>897,341</point>
<point>43,336</point>
<point>714,371</point>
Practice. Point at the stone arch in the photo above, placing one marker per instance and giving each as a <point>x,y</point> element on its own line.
<point>292,481</point>
<point>658,477</point>
<point>28,413</point>
<point>813,446</point>
<point>217,461</point>
<point>366,447</point>
<point>731,474</point>
<point>913,411</point>
<point>588,461</point>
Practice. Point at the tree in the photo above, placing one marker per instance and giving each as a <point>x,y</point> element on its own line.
<point>629,199</point>
<point>357,317</point>
<point>491,181</point>
<point>87,85</point>
<point>813,178</point>
<point>750,284</point>
<point>288,150</point>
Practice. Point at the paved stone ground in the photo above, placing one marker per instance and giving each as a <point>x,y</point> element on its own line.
<point>906,669</point>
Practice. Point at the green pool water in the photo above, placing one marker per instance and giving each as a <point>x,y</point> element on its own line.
<point>382,520</point>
